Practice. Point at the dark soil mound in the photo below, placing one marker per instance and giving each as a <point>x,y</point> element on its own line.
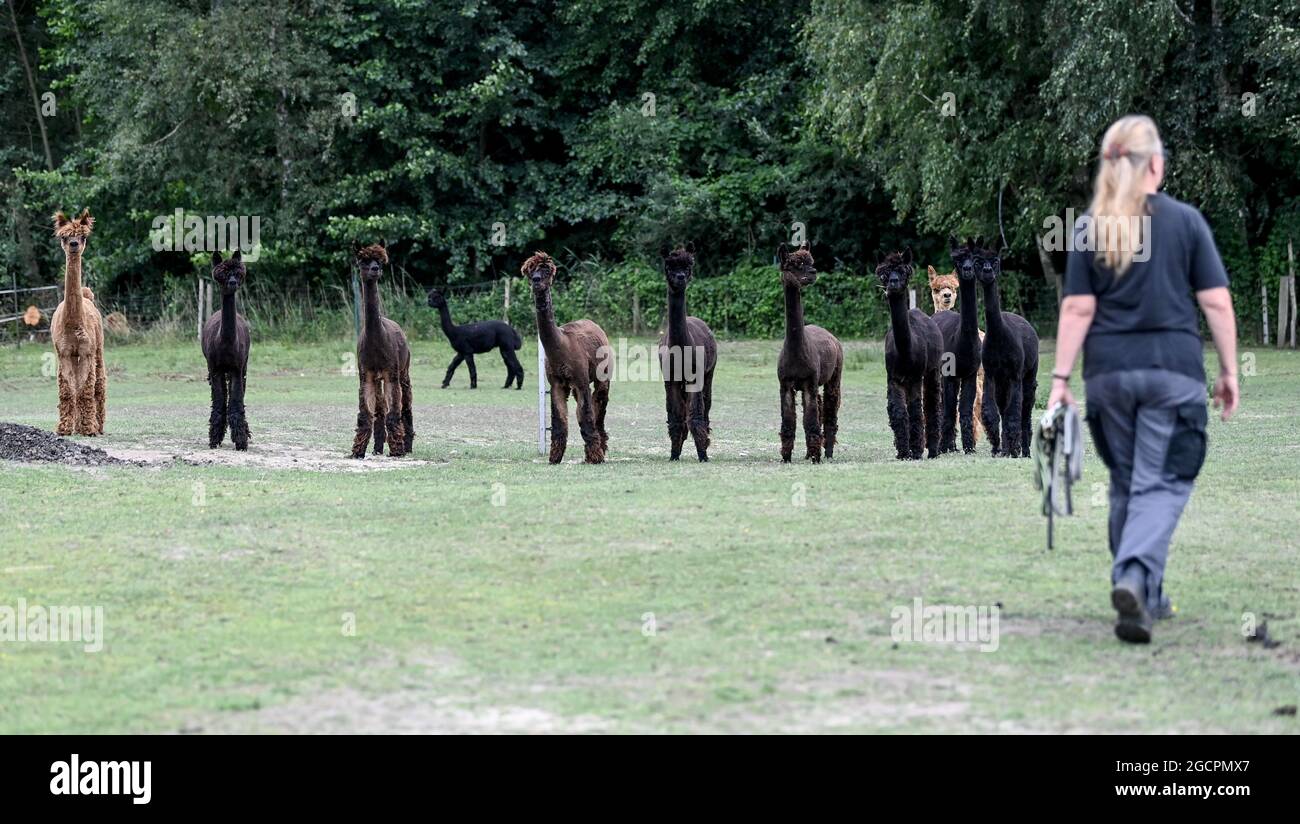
<point>32,445</point>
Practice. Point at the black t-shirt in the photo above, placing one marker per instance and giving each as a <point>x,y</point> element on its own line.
<point>1146,318</point>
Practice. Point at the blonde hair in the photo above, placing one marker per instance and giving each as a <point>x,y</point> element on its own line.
<point>1118,199</point>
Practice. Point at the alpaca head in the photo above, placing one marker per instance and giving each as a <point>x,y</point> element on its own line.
<point>371,261</point>
<point>436,299</point>
<point>679,265</point>
<point>540,271</point>
<point>943,289</point>
<point>73,233</point>
<point>229,274</point>
<point>797,267</point>
<point>988,264</point>
<point>894,271</point>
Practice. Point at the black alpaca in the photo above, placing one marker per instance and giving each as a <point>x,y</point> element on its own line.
<point>1010,364</point>
<point>688,354</point>
<point>961,353</point>
<point>472,339</point>
<point>225,345</point>
<point>913,353</point>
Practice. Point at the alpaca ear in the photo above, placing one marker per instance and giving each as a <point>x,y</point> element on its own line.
<point>665,250</point>
<point>953,242</point>
<point>84,216</point>
<point>690,247</point>
<point>237,256</point>
<point>216,258</point>
<point>60,219</point>
<point>907,255</point>
<point>933,274</point>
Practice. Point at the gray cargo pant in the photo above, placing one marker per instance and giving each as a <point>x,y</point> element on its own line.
<point>1148,426</point>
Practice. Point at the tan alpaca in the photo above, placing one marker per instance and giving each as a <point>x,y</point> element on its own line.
<point>943,292</point>
<point>77,332</point>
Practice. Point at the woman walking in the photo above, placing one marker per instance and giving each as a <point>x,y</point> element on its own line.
<point>1138,259</point>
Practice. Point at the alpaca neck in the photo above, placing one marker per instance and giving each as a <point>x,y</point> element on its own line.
<point>677,317</point>
<point>448,328</point>
<point>370,300</point>
<point>969,310</point>
<point>546,328</point>
<point>72,289</point>
<point>228,320</point>
<point>992,310</point>
<point>898,318</point>
<point>793,318</point>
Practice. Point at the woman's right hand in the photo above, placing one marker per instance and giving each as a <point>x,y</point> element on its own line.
<point>1226,394</point>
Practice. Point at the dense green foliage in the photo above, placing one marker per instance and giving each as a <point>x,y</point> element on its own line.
<point>468,133</point>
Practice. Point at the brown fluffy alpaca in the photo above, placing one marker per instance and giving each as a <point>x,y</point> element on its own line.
<point>77,332</point>
<point>579,361</point>
<point>943,291</point>
<point>811,359</point>
<point>384,368</point>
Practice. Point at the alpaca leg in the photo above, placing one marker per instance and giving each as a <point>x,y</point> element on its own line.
<point>101,390</point>
<point>676,424</point>
<point>699,403</point>
<point>600,399</point>
<point>379,420</point>
<point>896,406</point>
<point>393,418</point>
<point>587,424</point>
<point>831,415</point>
<point>512,366</point>
<point>812,424</point>
<point>1009,411</point>
<point>451,370</point>
<point>978,411</point>
<point>915,421</point>
<point>1028,394</point>
<point>473,372</point>
<point>408,420</point>
<point>365,416</point>
<point>968,414</point>
<point>933,400</point>
<point>87,414</point>
<point>787,421</point>
<point>989,410</point>
<point>948,436</point>
<point>238,422</point>
<point>559,420</point>
<point>67,399</point>
<point>217,420</point>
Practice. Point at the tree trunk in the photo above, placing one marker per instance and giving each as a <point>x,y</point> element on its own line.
<point>31,86</point>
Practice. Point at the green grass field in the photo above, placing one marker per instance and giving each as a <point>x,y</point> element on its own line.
<point>472,587</point>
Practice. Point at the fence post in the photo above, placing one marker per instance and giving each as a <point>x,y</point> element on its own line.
<point>636,312</point>
<point>506,279</point>
<point>1263,301</point>
<point>356,304</point>
<point>198,309</point>
<point>1290,257</point>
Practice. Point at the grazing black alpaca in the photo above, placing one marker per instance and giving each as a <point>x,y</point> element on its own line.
<point>688,354</point>
<point>961,347</point>
<point>913,355</point>
<point>472,339</point>
<point>225,346</point>
<point>1010,364</point>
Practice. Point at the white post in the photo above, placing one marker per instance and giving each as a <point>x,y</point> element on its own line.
<point>198,310</point>
<point>542,391</point>
<point>911,298</point>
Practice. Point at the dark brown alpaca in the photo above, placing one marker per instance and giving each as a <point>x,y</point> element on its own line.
<point>811,359</point>
<point>688,354</point>
<point>913,356</point>
<point>578,361</point>
<point>384,367</point>
<point>225,344</point>
<point>78,336</point>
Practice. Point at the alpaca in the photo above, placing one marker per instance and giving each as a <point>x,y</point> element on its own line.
<point>688,354</point>
<point>961,347</point>
<point>77,332</point>
<point>913,354</point>
<point>811,359</point>
<point>1010,357</point>
<point>225,343</point>
<point>384,367</point>
<point>472,339</point>
<point>578,361</point>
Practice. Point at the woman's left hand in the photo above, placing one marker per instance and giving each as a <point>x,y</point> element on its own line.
<point>1060,394</point>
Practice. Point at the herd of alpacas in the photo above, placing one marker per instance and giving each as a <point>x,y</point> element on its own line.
<point>943,372</point>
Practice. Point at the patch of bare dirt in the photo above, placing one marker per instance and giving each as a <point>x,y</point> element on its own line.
<point>31,445</point>
<point>267,456</point>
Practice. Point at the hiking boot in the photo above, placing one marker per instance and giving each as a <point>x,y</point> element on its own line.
<point>1129,599</point>
<point>1166,610</point>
